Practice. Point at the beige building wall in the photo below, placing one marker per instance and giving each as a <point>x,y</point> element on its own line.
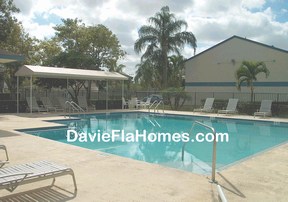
<point>214,69</point>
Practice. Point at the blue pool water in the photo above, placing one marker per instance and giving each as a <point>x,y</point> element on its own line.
<point>246,138</point>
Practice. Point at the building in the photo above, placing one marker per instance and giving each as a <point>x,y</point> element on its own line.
<point>6,57</point>
<point>213,70</point>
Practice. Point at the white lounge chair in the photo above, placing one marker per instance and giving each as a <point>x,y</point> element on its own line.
<point>61,102</point>
<point>134,103</point>
<point>35,106</point>
<point>265,108</point>
<point>3,162</point>
<point>207,106</point>
<point>82,102</point>
<point>146,104</point>
<point>13,176</point>
<point>49,106</point>
<point>231,107</point>
<point>124,103</point>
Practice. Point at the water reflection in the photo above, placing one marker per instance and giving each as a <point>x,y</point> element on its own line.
<point>245,138</point>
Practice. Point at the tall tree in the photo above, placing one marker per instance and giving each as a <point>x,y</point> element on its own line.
<point>18,41</point>
<point>7,8</point>
<point>247,73</point>
<point>176,70</point>
<point>85,47</point>
<point>164,34</point>
<point>147,75</point>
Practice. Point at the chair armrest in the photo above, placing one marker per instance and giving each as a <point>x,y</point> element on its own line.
<point>12,183</point>
<point>7,157</point>
<point>2,163</point>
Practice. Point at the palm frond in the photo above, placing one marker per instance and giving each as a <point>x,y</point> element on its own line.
<point>143,42</point>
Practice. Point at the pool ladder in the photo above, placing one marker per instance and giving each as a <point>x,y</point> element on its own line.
<point>74,107</point>
<point>156,104</point>
<point>213,180</point>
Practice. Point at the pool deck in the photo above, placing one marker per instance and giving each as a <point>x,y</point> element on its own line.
<point>104,177</point>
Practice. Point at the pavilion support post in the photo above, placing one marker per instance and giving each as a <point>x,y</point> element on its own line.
<point>67,86</point>
<point>122,98</point>
<point>17,95</point>
<point>31,89</point>
<point>107,91</point>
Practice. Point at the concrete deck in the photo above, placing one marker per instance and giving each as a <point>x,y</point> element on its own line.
<point>103,177</point>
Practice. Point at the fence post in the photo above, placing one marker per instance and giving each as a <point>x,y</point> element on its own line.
<point>195,99</point>
<point>277,97</point>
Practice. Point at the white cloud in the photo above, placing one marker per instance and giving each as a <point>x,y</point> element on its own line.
<point>253,4</point>
<point>211,21</point>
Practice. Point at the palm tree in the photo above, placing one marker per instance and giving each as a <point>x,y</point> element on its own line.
<point>147,74</point>
<point>248,71</point>
<point>176,70</point>
<point>164,35</point>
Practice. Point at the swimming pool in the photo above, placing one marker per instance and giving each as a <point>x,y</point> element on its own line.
<point>246,138</point>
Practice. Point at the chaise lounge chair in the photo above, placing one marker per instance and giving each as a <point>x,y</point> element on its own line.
<point>13,176</point>
<point>207,106</point>
<point>231,107</point>
<point>82,102</point>
<point>35,106</point>
<point>62,102</point>
<point>49,106</point>
<point>265,108</point>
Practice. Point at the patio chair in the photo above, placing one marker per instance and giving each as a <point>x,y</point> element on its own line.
<point>146,104</point>
<point>61,101</point>
<point>207,106</point>
<point>13,176</point>
<point>3,162</point>
<point>134,103</point>
<point>82,102</point>
<point>124,103</point>
<point>265,108</point>
<point>49,106</point>
<point>231,107</point>
<point>35,106</point>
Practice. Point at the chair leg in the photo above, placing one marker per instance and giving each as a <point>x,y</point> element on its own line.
<point>74,180</point>
<point>53,182</point>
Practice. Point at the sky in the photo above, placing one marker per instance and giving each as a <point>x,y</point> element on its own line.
<point>211,21</point>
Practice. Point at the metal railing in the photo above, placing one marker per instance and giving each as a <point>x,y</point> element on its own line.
<point>156,107</point>
<point>150,107</point>
<point>214,148</point>
<point>156,104</point>
<point>74,107</point>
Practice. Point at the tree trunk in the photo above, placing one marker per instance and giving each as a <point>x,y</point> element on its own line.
<point>1,83</point>
<point>88,95</point>
<point>165,67</point>
<point>252,92</point>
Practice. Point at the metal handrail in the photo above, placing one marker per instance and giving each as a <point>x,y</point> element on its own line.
<point>80,109</point>
<point>152,105</point>
<point>214,148</point>
<point>156,107</point>
<point>221,193</point>
<point>74,106</point>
